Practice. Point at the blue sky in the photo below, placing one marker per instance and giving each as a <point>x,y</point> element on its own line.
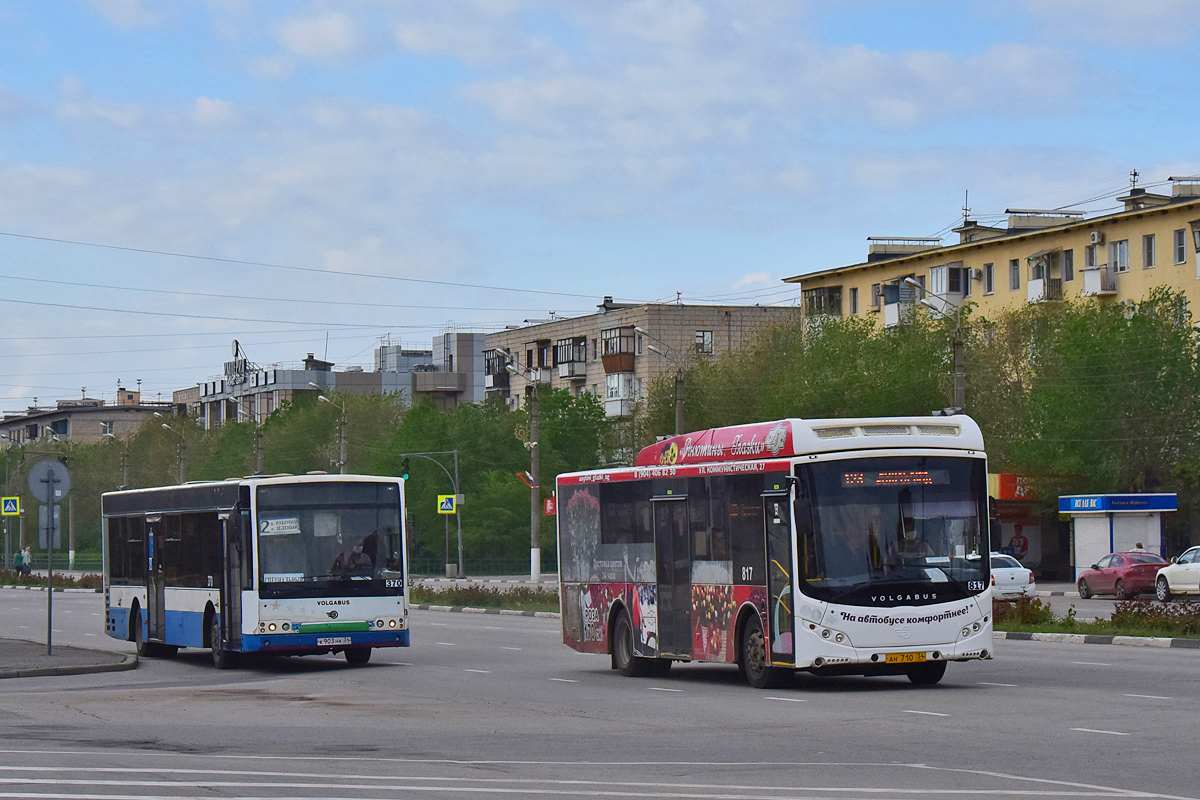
<point>551,152</point>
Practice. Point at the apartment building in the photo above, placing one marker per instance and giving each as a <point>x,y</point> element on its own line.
<point>616,352</point>
<point>86,419</point>
<point>1038,256</point>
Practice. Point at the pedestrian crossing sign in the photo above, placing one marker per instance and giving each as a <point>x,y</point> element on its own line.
<point>10,507</point>
<point>447,504</point>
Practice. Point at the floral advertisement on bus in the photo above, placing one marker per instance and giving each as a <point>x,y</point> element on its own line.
<point>585,609</point>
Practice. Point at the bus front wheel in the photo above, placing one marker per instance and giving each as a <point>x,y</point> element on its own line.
<point>759,673</point>
<point>623,659</point>
<point>927,674</point>
<point>221,658</point>
<point>357,656</point>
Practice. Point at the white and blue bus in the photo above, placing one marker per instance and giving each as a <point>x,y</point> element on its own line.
<point>284,565</point>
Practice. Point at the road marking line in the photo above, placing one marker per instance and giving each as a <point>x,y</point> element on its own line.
<point>1092,663</point>
<point>510,648</point>
<point>437,624</point>
<point>1148,696</point>
<point>789,699</point>
<point>479,671</point>
<point>1093,730</point>
<point>1009,685</point>
<point>563,680</point>
<point>926,713</point>
<point>89,634</point>
<point>447,644</point>
<point>663,689</point>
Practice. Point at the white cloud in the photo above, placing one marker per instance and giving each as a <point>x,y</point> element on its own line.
<point>1123,24</point>
<point>80,107</point>
<point>211,112</point>
<point>324,38</point>
<point>753,279</point>
<point>272,68</point>
<point>126,13</point>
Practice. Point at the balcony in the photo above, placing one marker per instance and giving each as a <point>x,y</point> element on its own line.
<point>440,381</point>
<point>617,362</point>
<point>572,370</point>
<point>1098,281</point>
<point>497,381</point>
<point>1042,289</point>
<point>618,407</point>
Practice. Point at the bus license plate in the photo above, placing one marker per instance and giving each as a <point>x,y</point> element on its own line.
<point>905,658</point>
<point>322,641</point>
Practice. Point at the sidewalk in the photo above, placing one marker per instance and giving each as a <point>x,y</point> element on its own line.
<point>20,658</point>
<point>1057,589</point>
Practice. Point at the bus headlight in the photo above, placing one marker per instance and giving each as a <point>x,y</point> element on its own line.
<point>271,626</point>
<point>378,623</point>
<point>966,632</point>
<point>391,623</point>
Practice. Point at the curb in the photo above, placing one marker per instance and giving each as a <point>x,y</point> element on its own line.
<point>56,589</point>
<point>1091,638</point>
<point>127,662</point>
<point>503,611</point>
<point>1058,594</point>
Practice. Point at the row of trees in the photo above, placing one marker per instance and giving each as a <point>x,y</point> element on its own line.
<point>301,437</point>
<point>1084,396</point>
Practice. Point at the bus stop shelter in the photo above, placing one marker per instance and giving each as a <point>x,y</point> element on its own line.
<point>1114,523</point>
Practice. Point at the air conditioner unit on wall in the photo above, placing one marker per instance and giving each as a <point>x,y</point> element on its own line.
<point>976,274</point>
<point>1097,237</point>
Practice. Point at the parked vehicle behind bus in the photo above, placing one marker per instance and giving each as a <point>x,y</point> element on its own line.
<point>838,546</point>
<point>287,565</point>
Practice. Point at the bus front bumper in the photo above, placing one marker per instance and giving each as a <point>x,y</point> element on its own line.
<point>309,643</point>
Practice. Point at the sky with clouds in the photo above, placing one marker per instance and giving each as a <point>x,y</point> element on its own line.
<point>313,176</point>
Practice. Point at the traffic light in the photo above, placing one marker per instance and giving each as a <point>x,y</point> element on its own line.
<point>404,468</point>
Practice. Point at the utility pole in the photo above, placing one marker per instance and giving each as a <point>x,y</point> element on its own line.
<point>342,467</point>
<point>535,492</point>
<point>258,449</point>
<point>960,369</point>
<point>678,402</point>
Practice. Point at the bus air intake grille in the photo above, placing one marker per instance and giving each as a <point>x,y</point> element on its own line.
<point>833,433</point>
<point>938,430</point>
<point>886,430</point>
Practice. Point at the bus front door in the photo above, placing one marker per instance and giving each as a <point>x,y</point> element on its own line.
<point>778,529</point>
<point>673,557</point>
<point>231,586</point>
<point>156,611</point>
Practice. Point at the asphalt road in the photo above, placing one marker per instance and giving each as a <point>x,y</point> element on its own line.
<point>488,706</point>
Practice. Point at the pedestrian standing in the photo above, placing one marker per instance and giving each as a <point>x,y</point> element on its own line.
<point>27,566</point>
<point>18,564</point>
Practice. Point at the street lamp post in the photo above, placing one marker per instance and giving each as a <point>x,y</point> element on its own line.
<point>535,491</point>
<point>457,494</point>
<point>124,460</point>
<point>957,355</point>
<point>679,393</point>
<point>341,428</point>
<point>182,449</point>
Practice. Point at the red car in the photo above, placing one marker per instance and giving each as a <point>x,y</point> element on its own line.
<point>1122,574</point>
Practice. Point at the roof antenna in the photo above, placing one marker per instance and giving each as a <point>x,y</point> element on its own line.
<point>966,209</point>
<point>1133,176</point>
<point>679,298</point>
<point>326,356</point>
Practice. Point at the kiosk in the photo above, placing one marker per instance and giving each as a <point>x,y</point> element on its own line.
<point>1114,523</point>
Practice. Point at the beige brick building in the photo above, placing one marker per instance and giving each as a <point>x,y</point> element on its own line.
<point>617,352</point>
<point>1038,256</point>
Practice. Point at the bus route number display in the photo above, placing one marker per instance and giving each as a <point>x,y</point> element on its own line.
<point>909,477</point>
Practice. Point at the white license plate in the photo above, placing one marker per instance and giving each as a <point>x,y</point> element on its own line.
<point>323,641</point>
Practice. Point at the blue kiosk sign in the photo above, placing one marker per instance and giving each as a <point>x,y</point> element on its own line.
<point>1100,503</point>
<point>1110,523</point>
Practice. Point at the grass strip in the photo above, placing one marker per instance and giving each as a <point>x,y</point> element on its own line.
<point>515,599</point>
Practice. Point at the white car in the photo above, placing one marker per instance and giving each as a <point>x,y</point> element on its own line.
<point>1181,576</point>
<point>1010,580</point>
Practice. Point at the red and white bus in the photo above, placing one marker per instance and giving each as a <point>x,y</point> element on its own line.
<point>837,546</point>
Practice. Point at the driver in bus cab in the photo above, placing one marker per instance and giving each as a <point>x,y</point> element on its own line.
<point>908,546</point>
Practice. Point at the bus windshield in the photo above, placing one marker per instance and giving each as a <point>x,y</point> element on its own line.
<point>329,539</point>
<point>893,530</point>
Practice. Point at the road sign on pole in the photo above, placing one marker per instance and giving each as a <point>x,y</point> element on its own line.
<point>10,506</point>
<point>49,481</point>
<point>42,474</point>
<point>447,504</point>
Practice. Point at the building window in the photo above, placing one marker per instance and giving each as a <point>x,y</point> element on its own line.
<point>1180,246</point>
<point>1037,269</point>
<point>569,351</point>
<point>494,362</point>
<point>1068,265</point>
<point>826,300</point>
<point>1014,274</point>
<point>1089,255</point>
<point>704,342</point>
<point>989,278</point>
<point>876,296</point>
<point>616,341</point>
<point>854,301</point>
<point>937,280</point>
<point>1148,251</point>
<point>106,428</point>
<point>966,281</point>
<point>954,280</point>
<point>1118,256</point>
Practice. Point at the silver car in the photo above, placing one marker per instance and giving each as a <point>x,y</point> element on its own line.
<point>1010,580</point>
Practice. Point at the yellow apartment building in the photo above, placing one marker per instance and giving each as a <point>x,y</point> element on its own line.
<point>1039,256</point>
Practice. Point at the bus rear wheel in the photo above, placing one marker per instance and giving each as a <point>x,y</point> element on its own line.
<point>357,656</point>
<point>753,651</point>
<point>623,659</point>
<point>927,674</point>
<point>221,658</point>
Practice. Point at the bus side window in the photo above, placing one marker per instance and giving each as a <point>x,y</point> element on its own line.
<point>745,525</point>
<point>243,535</point>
